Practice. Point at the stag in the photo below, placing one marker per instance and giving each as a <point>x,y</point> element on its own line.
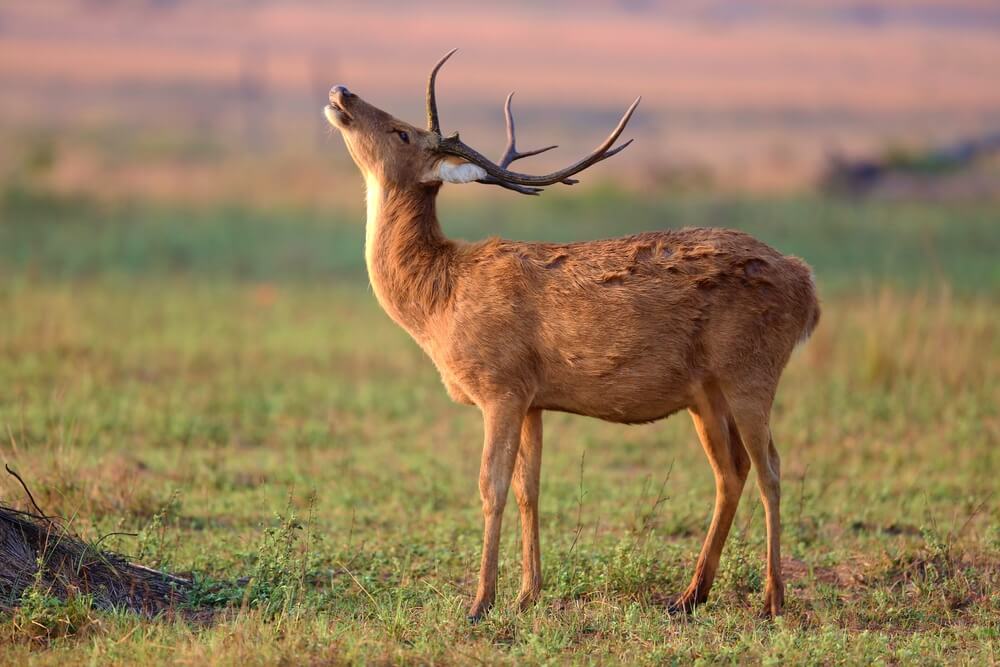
<point>628,330</point>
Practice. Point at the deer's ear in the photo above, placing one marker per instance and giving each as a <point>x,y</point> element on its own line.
<point>454,172</point>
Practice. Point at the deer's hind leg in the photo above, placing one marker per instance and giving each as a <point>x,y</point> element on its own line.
<point>752,414</point>
<point>527,474</point>
<point>730,465</point>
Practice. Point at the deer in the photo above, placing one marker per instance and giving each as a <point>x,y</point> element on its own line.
<point>628,330</point>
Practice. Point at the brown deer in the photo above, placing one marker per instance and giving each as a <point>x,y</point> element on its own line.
<point>627,330</point>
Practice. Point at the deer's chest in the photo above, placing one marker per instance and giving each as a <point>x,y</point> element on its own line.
<point>458,385</point>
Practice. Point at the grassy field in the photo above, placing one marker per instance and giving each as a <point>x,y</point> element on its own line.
<point>223,383</point>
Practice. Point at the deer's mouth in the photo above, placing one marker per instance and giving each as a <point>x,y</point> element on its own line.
<point>336,115</point>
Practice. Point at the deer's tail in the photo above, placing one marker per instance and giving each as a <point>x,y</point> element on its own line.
<point>809,298</point>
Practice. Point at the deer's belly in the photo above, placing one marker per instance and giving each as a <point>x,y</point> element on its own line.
<point>617,390</point>
<point>622,399</point>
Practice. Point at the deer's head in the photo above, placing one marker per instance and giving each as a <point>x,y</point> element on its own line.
<point>396,153</point>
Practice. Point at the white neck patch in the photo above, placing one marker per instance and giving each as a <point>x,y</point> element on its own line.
<point>373,198</point>
<point>463,172</point>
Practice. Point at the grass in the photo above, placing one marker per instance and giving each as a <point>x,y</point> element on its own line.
<point>851,245</point>
<point>259,422</point>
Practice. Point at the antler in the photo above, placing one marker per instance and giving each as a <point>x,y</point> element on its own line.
<point>498,174</point>
<point>455,146</point>
<point>433,124</point>
<point>510,154</point>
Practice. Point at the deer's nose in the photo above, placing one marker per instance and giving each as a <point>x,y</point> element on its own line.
<point>340,90</point>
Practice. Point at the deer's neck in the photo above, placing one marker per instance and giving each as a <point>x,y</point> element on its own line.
<point>407,255</point>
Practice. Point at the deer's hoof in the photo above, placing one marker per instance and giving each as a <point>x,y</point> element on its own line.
<point>682,605</point>
<point>774,603</point>
<point>767,613</point>
<point>478,611</point>
<point>526,600</point>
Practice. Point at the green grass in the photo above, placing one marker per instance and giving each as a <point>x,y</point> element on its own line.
<point>850,245</point>
<point>224,383</point>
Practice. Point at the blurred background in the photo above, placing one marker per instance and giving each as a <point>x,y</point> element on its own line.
<point>180,100</point>
<point>176,135</point>
<point>173,139</point>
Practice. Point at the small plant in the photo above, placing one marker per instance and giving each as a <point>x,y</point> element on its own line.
<point>41,617</point>
<point>154,547</point>
<point>211,592</point>
<point>739,571</point>
<point>282,563</point>
<point>626,569</point>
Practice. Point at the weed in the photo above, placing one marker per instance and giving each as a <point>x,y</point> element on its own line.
<point>40,617</point>
<point>282,564</point>
<point>154,547</point>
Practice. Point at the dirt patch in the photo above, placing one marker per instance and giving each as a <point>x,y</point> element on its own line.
<point>846,575</point>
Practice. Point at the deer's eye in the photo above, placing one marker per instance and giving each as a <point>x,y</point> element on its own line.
<point>403,136</point>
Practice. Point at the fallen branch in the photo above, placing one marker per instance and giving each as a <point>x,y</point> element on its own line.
<point>39,550</point>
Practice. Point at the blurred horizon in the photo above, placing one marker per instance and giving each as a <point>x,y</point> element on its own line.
<point>182,99</point>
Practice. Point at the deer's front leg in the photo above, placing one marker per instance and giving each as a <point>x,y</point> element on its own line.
<point>502,426</point>
<point>527,475</point>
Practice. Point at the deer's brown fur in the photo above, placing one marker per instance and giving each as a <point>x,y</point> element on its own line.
<point>627,330</point>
